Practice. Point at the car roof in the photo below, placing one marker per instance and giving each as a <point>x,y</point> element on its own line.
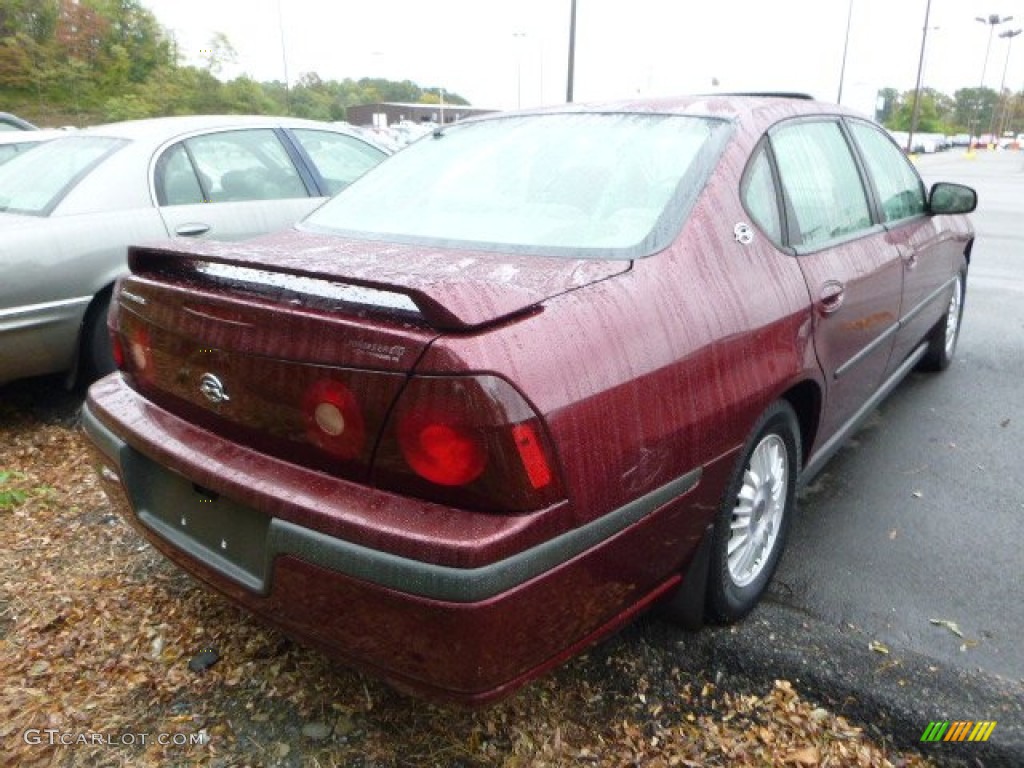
<point>758,108</point>
<point>16,122</point>
<point>161,128</point>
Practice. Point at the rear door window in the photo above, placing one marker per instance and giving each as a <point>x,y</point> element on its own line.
<point>228,166</point>
<point>338,158</point>
<point>821,181</point>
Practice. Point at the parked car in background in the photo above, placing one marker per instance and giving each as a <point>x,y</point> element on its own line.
<point>9,122</point>
<point>13,142</point>
<point>69,209</point>
<point>530,376</point>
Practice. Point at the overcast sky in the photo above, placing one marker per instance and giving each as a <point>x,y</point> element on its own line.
<point>508,54</point>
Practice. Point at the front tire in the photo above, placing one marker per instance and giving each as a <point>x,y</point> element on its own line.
<point>943,337</point>
<point>754,517</point>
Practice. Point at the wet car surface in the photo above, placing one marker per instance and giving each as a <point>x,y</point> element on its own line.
<point>529,377</point>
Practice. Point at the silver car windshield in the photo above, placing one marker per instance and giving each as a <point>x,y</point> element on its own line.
<point>581,185</point>
<point>34,182</point>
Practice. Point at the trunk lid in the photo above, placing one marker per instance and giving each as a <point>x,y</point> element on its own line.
<point>299,345</point>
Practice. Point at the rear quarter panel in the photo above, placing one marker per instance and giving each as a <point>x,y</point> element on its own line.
<point>650,374</point>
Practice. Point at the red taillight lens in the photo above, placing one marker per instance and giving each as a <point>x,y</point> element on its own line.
<point>467,441</point>
<point>135,353</point>
<point>440,449</point>
<point>334,421</point>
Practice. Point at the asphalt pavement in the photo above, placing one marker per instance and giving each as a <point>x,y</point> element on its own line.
<point>900,596</point>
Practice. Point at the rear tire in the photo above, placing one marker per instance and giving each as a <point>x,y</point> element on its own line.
<point>754,517</point>
<point>97,355</point>
<point>943,337</point>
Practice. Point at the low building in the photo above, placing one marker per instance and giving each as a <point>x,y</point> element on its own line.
<point>385,114</point>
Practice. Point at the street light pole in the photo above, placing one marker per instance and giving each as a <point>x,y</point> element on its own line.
<point>916,111</point>
<point>846,47</point>
<point>1009,35</point>
<point>519,68</point>
<point>993,20</point>
<point>572,52</point>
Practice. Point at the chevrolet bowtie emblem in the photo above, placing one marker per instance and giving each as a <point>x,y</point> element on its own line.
<point>212,389</point>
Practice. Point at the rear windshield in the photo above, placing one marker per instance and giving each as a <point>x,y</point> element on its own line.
<point>34,182</point>
<point>580,185</point>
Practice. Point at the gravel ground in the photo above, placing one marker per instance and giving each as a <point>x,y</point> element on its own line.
<point>97,633</point>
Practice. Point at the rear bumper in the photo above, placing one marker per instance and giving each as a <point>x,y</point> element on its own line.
<point>467,634</point>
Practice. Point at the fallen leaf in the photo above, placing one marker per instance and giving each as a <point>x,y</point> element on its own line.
<point>950,625</point>
<point>878,647</point>
<point>805,756</point>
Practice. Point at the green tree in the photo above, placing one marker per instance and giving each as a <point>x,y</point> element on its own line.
<point>973,109</point>
<point>935,113</point>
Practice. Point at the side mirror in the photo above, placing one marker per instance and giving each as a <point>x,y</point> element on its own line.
<point>946,197</point>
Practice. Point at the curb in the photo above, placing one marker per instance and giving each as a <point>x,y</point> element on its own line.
<point>895,695</point>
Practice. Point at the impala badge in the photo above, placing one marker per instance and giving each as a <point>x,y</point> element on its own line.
<point>212,389</point>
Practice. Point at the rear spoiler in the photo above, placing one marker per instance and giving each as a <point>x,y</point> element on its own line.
<point>449,289</point>
<point>314,288</point>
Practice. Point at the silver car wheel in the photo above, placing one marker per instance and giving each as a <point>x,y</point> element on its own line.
<point>760,506</point>
<point>953,316</point>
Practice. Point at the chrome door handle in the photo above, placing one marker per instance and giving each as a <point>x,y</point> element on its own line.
<point>192,230</point>
<point>832,294</point>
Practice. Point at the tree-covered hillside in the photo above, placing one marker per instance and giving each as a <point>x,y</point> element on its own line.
<point>78,62</point>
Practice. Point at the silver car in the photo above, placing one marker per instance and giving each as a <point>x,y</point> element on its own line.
<point>13,142</point>
<point>70,207</point>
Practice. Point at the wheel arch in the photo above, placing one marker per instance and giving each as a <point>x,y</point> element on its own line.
<point>805,398</point>
<point>98,300</point>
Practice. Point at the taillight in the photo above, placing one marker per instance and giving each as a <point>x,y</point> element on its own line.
<point>334,421</point>
<point>133,350</point>
<point>117,350</point>
<point>440,448</point>
<point>467,441</point>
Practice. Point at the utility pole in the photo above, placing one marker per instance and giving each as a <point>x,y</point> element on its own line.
<point>916,111</point>
<point>846,47</point>
<point>572,52</point>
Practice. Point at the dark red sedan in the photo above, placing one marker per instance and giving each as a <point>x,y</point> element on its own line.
<point>529,377</point>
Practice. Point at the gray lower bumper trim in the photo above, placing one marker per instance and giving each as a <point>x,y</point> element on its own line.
<point>405,574</point>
